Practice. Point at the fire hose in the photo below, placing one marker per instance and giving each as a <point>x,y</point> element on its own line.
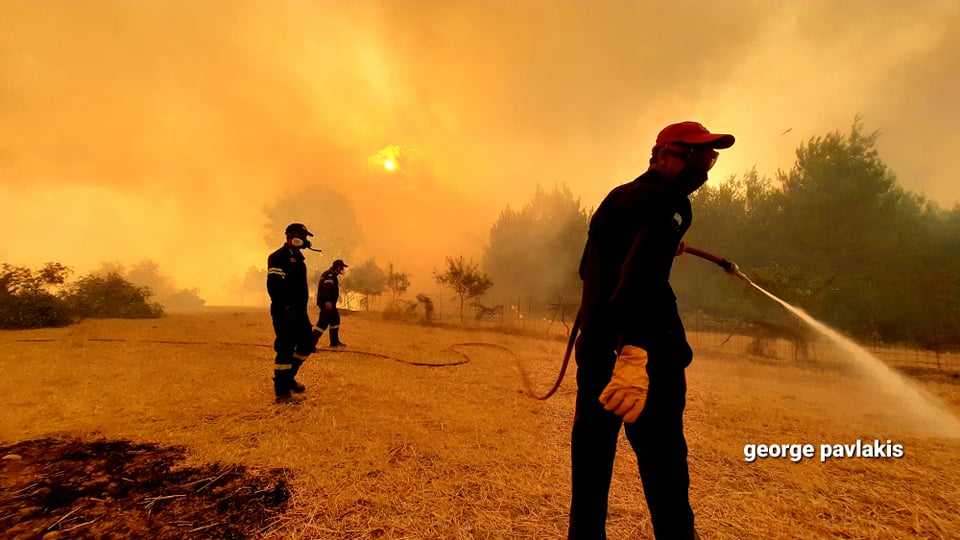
<point>729,267</point>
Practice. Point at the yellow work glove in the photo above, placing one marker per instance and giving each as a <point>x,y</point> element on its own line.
<point>626,394</point>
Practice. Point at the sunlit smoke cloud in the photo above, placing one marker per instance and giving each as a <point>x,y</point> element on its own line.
<point>160,130</point>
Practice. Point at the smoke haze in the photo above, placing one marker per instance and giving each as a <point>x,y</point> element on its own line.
<point>161,130</point>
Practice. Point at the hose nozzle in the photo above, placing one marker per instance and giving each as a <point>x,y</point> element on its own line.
<point>729,267</point>
<point>734,270</point>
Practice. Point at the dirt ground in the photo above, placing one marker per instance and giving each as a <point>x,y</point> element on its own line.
<point>71,488</point>
<point>167,429</point>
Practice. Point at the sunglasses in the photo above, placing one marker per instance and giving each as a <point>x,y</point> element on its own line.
<point>702,157</point>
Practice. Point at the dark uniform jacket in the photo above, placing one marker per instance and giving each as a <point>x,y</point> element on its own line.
<point>329,288</point>
<point>631,244</point>
<point>287,281</point>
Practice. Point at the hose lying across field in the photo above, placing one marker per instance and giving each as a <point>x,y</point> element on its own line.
<point>455,348</point>
<point>240,344</point>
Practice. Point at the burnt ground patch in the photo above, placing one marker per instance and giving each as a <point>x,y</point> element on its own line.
<point>70,488</point>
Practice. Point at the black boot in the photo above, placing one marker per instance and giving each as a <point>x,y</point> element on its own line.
<point>296,386</point>
<point>282,383</point>
<point>335,338</point>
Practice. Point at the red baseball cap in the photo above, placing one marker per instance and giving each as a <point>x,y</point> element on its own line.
<point>693,133</point>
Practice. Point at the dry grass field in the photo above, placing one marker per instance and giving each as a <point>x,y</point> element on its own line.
<point>380,448</point>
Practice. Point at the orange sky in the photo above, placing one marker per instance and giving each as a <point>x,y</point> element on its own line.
<point>133,130</point>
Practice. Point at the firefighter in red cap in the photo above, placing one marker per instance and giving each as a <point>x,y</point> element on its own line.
<point>328,292</point>
<point>287,287</point>
<point>632,350</point>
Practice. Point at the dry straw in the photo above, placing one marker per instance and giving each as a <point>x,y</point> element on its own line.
<point>385,449</point>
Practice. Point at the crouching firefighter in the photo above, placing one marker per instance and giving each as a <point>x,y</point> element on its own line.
<point>288,290</point>
<point>328,292</point>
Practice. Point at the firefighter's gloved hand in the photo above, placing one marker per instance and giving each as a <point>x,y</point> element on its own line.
<point>328,305</point>
<point>626,394</point>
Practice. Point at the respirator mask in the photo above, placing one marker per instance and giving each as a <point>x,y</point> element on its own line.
<point>302,243</point>
<point>698,160</point>
<point>297,234</point>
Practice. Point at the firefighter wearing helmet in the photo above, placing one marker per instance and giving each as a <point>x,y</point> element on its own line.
<point>328,292</point>
<point>289,294</point>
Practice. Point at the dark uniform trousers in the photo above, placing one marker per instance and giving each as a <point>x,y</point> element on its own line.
<point>293,343</point>
<point>328,291</point>
<point>329,318</point>
<point>656,437</point>
<point>289,294</point>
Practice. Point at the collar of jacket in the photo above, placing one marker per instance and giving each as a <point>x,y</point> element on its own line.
<point>295,253</point>
<point>653,177</point>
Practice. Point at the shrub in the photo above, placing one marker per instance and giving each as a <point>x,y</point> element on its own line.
<point>33,309</point>
<point>108,296</point>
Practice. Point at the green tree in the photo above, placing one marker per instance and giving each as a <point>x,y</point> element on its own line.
<point>26,300</point>
<point>366,279</point>
<point>535,252</point>
<point>397,282</point>
<point>838,236</point>
<point>731,219</point>
<point>110,295</point>
<point>839,192</point>
<point>465,278</point>
<point>328,214</point>
<point>845,223</point>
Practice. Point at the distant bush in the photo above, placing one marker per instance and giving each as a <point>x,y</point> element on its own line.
<point>184,299</point>
<point>43,298</point>
<point>26,302</point>
<point>147,273</point>
<point>107,296</point>
<point>366,279</point>
<point>33,309</point>
<point>402,310</point>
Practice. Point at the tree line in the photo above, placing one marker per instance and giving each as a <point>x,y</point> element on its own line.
<point>835,234</point>
<point>838,236</point>
<point>45,297</point>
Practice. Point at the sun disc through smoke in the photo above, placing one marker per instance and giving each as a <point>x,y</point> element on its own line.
<point>388,158</point>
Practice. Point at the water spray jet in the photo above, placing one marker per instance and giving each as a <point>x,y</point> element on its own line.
<point>929,410</point>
